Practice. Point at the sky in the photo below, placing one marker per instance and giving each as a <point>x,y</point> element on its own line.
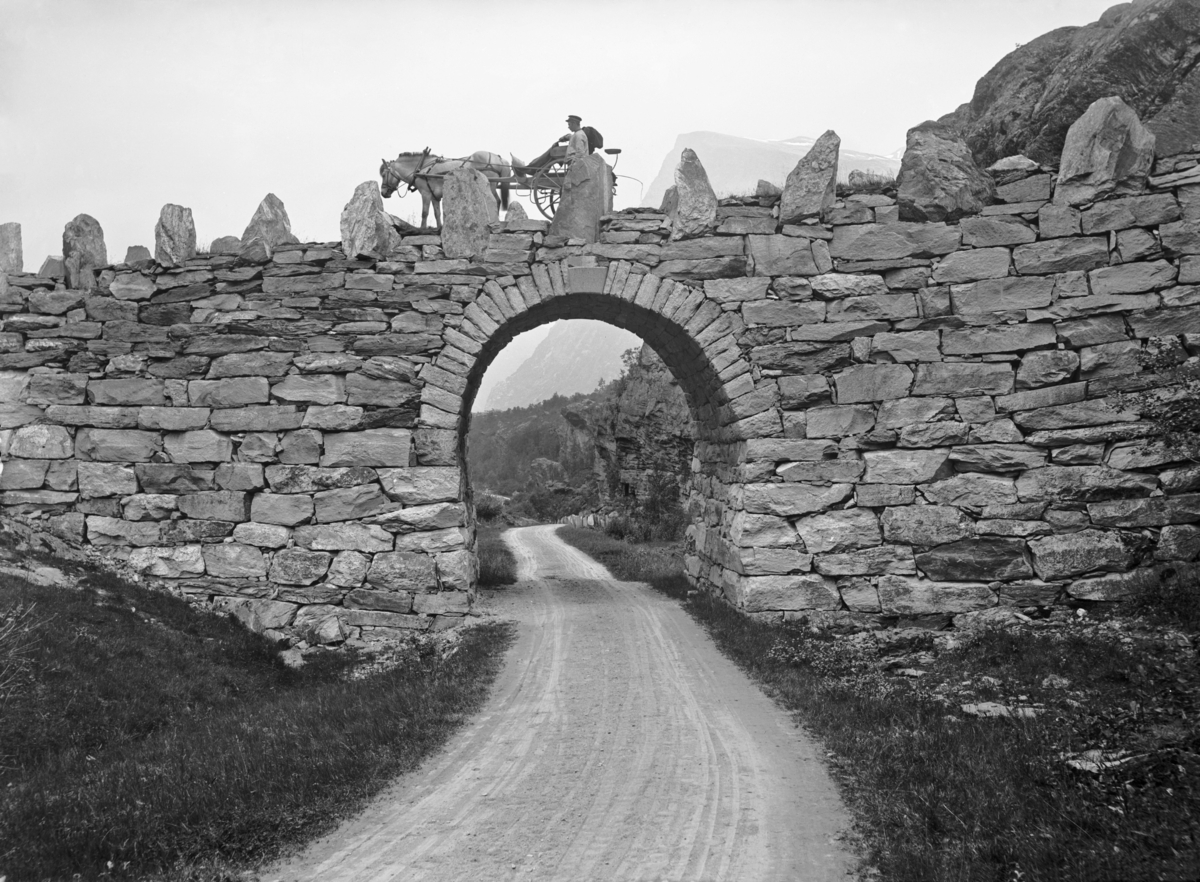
<point>115,107</point>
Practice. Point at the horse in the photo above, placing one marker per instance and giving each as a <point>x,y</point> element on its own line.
<point>424,172</point>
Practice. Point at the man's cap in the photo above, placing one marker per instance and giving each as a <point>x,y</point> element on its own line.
<point>575,118</point>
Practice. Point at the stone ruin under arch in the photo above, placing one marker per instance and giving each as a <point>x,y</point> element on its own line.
<point>894,418</point>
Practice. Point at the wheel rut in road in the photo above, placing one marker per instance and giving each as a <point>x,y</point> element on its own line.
<point>618,744</point>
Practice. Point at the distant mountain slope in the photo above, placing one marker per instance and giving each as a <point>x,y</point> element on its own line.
<point>510,358</point>
<point>735,165</point>
<point>575,357</point>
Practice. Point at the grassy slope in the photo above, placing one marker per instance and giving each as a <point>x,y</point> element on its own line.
<point>941,795</point>
<point>142,733</point>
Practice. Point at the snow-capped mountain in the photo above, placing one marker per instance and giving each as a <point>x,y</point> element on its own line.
<point>735,165</point>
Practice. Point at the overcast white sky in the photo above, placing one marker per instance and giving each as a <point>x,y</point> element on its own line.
<point>115,107</point>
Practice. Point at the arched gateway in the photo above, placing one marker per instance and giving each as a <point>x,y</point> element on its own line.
<point>891,418</point>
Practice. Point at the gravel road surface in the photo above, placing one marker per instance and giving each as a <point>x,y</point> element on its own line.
<point>618,744</point>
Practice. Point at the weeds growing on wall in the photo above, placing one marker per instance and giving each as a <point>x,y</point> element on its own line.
<point>1173,401</point>
<point>1092,774</point>
<point>139,736</point>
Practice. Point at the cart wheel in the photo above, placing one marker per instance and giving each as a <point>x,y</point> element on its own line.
<point>546,188</point>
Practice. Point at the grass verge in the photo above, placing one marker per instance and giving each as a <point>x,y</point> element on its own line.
<point>1101,781</point>
<point>139,737</point>
<point>658,563</point>
<point>497,566</point>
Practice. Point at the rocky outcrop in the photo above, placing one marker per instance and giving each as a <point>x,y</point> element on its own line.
<point>939,180</point>
<point>1145,53</point>
<point>811,187</point>
<point>642,432</point>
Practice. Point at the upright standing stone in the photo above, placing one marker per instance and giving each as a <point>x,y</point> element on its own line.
<point>270,225</point>
<point>810,190</point>
<point>83,252</point>
<point>174,235</point>
<point>515,212</point>
<point>11,258</point>
<point>366,228</point>
<point>696,207</point>
<point>1108,152</point>
<point>468,207</point>
<point>670,201</point>
<point>137,253</point>
<point>52,268</point>
<point>225,245</point>
<point>939,180</point>
<point>767,190</point>
<point>586,197</point>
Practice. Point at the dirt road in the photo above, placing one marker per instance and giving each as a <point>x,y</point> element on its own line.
<point>619,744</point>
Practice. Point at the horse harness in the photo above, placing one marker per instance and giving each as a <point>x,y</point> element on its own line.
<point>428,160</point>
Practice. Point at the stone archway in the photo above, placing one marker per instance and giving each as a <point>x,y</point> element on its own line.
<point>687,329</point>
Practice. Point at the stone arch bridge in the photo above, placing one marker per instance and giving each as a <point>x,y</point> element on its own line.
<point>892,418</point>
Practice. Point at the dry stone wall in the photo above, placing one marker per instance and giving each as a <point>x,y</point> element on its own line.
<point>892,419</point>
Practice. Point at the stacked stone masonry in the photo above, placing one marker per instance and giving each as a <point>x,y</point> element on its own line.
<point>892,419</point>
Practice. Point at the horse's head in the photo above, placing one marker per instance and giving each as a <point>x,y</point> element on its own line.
<point>390,178</point>
<point>402,170</point>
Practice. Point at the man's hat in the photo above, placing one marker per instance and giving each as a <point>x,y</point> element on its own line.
<point>575,118</point>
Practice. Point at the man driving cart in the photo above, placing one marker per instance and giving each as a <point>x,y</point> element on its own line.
<point>578,142</point>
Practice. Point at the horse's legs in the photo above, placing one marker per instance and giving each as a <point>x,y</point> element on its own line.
<point>426,198</point>
<point>437,211</point>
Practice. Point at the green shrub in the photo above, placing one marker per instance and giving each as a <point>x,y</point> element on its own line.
<point>497,566</point>
<point>1169,593</point>
<point>658,517</point>
<point>489,507</point>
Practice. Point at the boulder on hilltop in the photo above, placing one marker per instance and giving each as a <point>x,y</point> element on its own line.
<point>1145,53</point>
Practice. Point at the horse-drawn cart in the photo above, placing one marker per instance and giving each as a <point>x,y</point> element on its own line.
<point>424,172</point>
<point>545,187</point>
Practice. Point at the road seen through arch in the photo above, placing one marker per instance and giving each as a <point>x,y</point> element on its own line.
<point>618,744</point>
